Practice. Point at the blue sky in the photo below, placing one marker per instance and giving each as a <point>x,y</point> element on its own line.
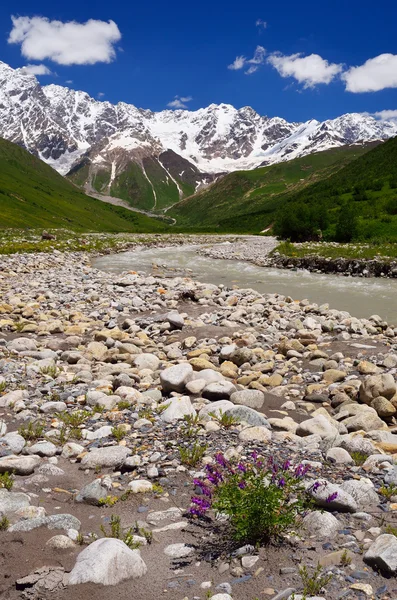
<point>292,57</point>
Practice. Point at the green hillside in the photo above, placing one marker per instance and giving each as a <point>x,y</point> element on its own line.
<point>247,201</point>
<point>33,195</point>
<point>359,202</point>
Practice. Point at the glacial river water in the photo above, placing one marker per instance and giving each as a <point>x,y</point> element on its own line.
<point>361,297</point>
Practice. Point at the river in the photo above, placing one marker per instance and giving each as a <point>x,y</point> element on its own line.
<point>361,297</point>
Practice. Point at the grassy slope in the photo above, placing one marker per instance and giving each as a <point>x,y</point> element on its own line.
<point>33,195</point>
<point>376,220</point>
<point>247,200</point>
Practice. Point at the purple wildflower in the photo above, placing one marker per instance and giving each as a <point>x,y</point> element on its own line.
<point>281,482</point>
<point>332,497</point>
<point>220,459</point>
<point>315,486</point>
<point>242,485</point>
<point>201,503</point>
<point>286,465</point>
<point>301,470</point>
<point>242,468</point>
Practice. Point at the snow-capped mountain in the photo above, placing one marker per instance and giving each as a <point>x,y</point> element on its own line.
<point>70,130</point>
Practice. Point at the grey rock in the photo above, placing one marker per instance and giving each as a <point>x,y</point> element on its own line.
<point>174,378</point>
<point>382,554</point>
<point>147,361</point>
<point>11,502</point>
<point>318,425</point>
<point>377,385</point>
<point>21,344</point>
<point>324,491</point>
<point>321,524</point>
<point>111,456</point>
<point>339,456</point>
<point>176,408</point>
<point>251,398</point>
<point>20,465</point>
<point>42,448</point>
<point>178,550</point>
<point>53,407</point>
<point>107,561</point>
<point>362,490</point>
<point>92,493</point>
<point>218,390</point>
<point>14,441</point>
<point>248,415</point>
<point>64,521</point>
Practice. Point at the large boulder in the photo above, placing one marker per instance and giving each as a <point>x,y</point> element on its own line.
<point>321,524</point>
<point>20,465</point>
<point>248,415</point>
<point>363,491</point>
<point>92,493</point>
<point>11,502</point>
<point>318,425</point>
<point>218,390</point>
<point>331,496</point>
<point>107,561</point>
<point>377,385</point>
<point>21,344</point>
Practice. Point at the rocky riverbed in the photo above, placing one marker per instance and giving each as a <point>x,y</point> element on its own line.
<point>98,373</point>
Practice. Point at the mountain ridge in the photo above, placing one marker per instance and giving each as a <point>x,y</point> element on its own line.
<point>120,146</point>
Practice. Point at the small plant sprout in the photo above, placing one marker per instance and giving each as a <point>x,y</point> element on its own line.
<point>116,532</point>
<point>108,501</point>
<point>190,426</point>
<point>118,432</point>
<point>359,457</point>
<point>163,407</point>
<point>6,481</point>
<point>388,491</point>
<point>224,419</point>
<point>4,523</point>
<point>313,584</point>
<point>31,432</point>
<point>192,455</point>
<point>124,405</point>
<point>3,386</point>
<point>51,371</point>
<point>345,559</point>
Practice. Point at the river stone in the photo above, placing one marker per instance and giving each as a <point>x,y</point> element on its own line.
<point>248,415</point>
<point>382,554</point>
<point>356,443</point>
<point>339,456</point>
<point>147,361</point>
<point>71,450</point>
<point>21,344</point>
<point>140,486</point>
<point>251,398</point>
<point>318,425</point>
<point>92,493</point>
<point>43,448</point>
<point>94,398</point>
<point>12,398</point>
<point>178,550</point>
<point>362,490</point>
<point>14,441</point>
<point>209,376</point>
<point>111,456</point>
<point>60,542</point>
<point>383,407</point>
<point>53,407</point>
<point>20,465</point>
<point>219,390</point>
<point>377,385</point>
<point>321,524</point>
<point>174,378</point>
<point>334,375</point>
<point>176,408</point>
<point>170,514</point>
<point>107,561</point>
<point>218,407</point>
<point>321,495</point>
<point>64,521</point>
<point>102,432</point>
<point>11,502</point>
<point>364,421</point>
<point>255,434</point>
<point>175,319</point>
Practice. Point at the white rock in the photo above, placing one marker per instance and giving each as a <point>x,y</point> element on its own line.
<point>140,486</point>
<point>176,409</point>
<point>107,561</point>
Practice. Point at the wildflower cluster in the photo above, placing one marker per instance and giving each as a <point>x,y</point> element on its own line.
<point>261,498</point>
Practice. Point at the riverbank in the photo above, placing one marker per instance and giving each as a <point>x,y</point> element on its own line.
<point>98,372</point>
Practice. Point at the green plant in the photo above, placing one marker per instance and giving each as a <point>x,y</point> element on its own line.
<point>51,371</point>
<point>157,489</point>
<point>192,455</point>
<point>190,424</point>
<point>116,532</point>
<point>4,523</point>
<point>75,418</point>
<point>161,408</point>
<point>32,431</point>
<point>6,481</point>
<point>313,584</point>
<point>80,539</point>
<point>118,432</point>
<point>262,499</point>
<point>224,419</point>
<point>388,491</point>
<point>123,405</point>
<point>75,433</point>
<point>108,501</point>
<point>97,469</point>
<point>3,386</point>
<point>345,559</point>
<point>391,530</point>
<point>359,457</point>
<point>146,533</point>
<point>99,409</point>
<point>146,413</point>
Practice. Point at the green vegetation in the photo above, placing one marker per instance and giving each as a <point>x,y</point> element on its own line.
<point>6,481</point>
<point>192,455</point>
<point>32,432</point>
<point>33,195</point>
<point>313,584</point>
<point>116,532</point>
<point>247,201</point>
<point>357,203</point>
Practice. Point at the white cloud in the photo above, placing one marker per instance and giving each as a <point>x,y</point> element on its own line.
<point>375,74</point>
<point>386,115</point>
<point>69,81</point>
<point>309,70</point>
<point>237,64</point>
<point>180,102</point>
<point>69,43</point>
<point>261,23</point>
<point>37,70</point>
<point>101,94</point>
<point>240,62</point>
